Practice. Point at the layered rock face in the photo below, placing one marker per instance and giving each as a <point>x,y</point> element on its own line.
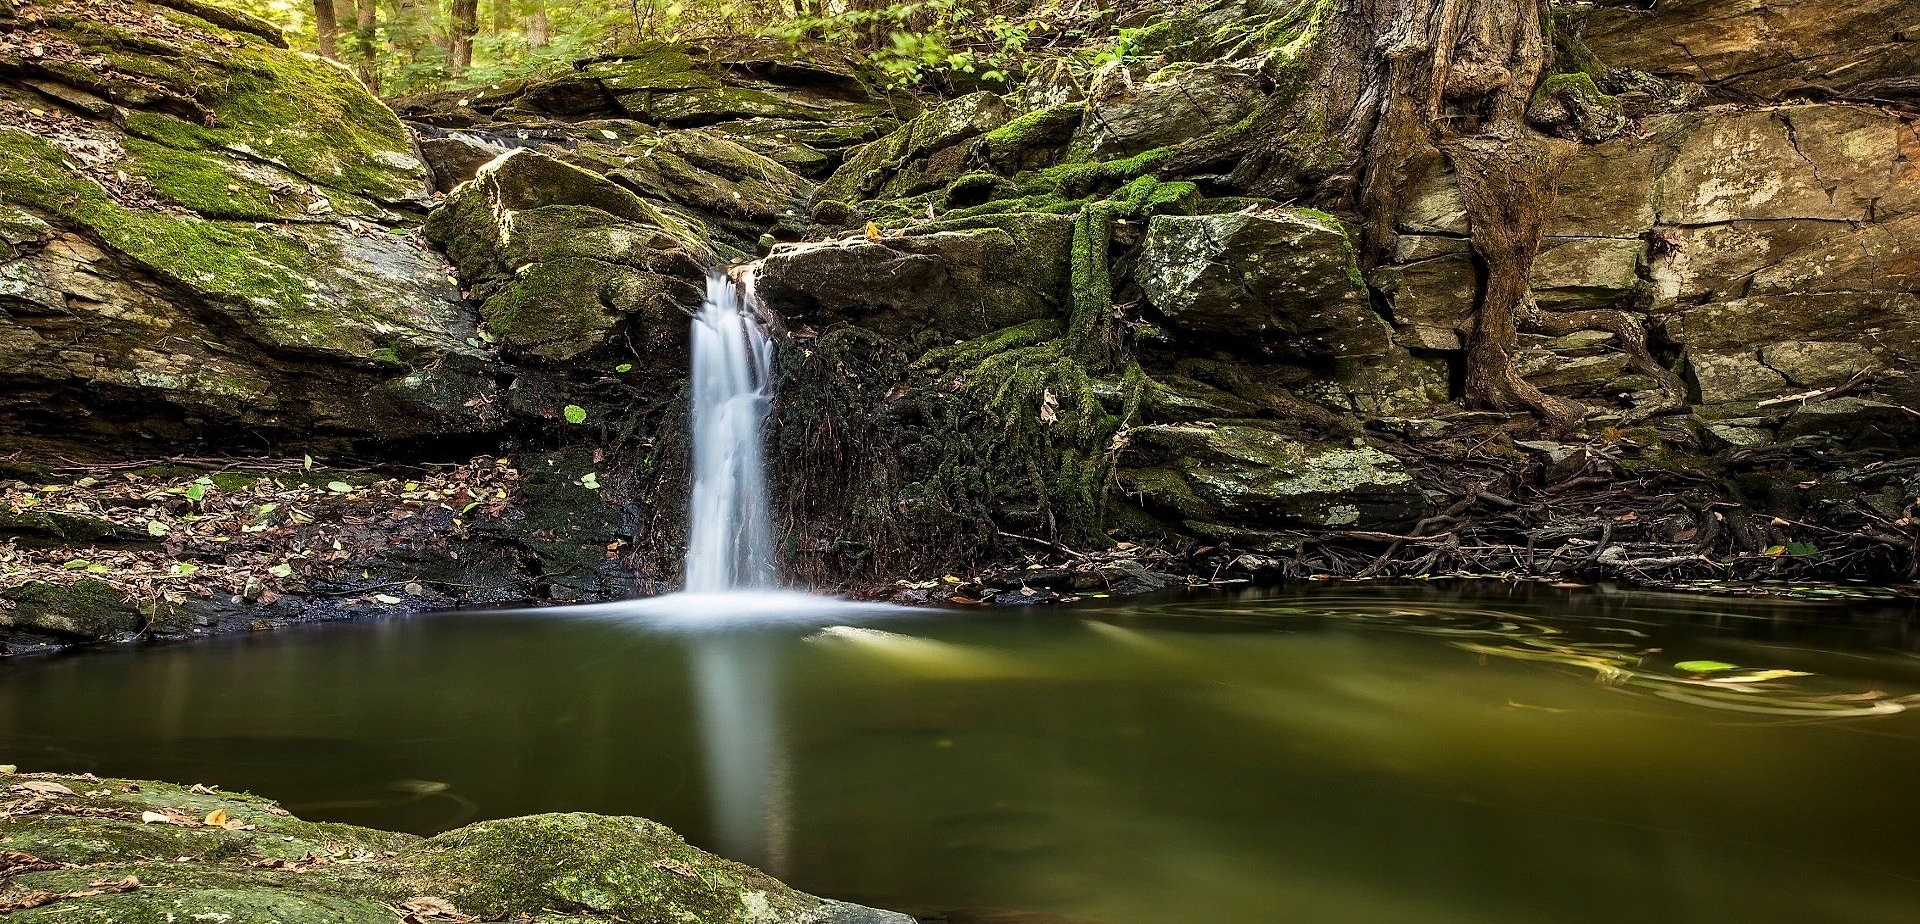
<point>202,232</point>
<point>1049,319</point>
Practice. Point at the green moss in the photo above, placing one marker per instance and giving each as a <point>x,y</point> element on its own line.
<point>1579,84</point>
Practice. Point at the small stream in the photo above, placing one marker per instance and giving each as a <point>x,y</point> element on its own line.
<point>1339,754</point>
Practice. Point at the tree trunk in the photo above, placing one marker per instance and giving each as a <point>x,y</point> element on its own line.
<point>326,29</point>
<point>466,24</point>
<point>539,29</point>
<point>1399,84</point>
<point>365,34</point>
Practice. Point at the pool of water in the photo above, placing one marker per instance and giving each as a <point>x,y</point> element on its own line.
<point>1386,755</point>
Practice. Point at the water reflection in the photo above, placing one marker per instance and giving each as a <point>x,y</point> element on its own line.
<point>737,676</point>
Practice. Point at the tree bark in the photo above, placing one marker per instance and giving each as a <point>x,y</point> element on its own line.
<point>365,35</point>
<point>1396,84</point>
<point>326,29</point>
<point>465,25</point>
<point>539,28</point>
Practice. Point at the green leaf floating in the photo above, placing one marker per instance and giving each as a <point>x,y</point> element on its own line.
<point>1704,667</point>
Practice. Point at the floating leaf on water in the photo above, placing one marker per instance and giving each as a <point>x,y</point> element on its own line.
<point>1704,667</point>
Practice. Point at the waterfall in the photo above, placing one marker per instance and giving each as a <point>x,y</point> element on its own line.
<point>728,535</point>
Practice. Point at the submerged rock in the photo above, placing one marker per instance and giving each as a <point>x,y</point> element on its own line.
<point>83,849</point>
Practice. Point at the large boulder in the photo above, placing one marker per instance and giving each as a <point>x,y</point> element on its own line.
<point>561,259</point>
<point>115,851</point>
<point>625,867</point>
<point>1179,103</point>
<point>955,284</point>
<point>921,155</point>
<point>1217,475</point>
<point>1280,281</point>
<point>205,234</point>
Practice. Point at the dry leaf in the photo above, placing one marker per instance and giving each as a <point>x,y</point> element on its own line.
<point>873,231</point>
<point>422,908</point>
<point>46,787</point>
<point>216,818</point>
<point>201,789</point>
<point>677,868</point>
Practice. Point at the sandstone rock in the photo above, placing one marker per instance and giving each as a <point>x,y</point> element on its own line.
<point>954,284</point>
<point>1179,103</point>
<point>1732,376</point>
<point>897,162</point>
<point>1856,421</point>
<point>227,252</point>
<point>1246,473</point>
<point>1851,50</point>
<point>1589,272</point>
<point>1282,281</point>
<point>562,257</point>
<point>1817,363</point>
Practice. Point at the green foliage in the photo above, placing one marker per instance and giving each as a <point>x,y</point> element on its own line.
<point>574,413</point>
<point>908,41</point>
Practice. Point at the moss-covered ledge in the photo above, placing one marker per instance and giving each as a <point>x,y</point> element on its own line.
<point>85,849</point>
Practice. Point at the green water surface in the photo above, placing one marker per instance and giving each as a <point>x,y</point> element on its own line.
<point>1334,755</point>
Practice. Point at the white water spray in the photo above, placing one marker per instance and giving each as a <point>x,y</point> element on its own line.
<point>728,539</point>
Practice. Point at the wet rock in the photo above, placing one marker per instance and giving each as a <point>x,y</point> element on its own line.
<point>80,611</point>
<point>1282,281</point>
<point>954,284</point>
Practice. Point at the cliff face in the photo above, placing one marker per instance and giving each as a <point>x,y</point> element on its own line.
<point>1082,319</point>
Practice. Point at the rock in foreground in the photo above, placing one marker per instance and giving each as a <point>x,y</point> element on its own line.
<point>81,849</point>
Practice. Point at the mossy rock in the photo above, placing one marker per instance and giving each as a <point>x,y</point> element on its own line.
<point>1249,473</point>
<point>204,854</point>
<point>951,283</point>
<point>84,610</point>
<point>1281,281</point>
<point>629,867</point>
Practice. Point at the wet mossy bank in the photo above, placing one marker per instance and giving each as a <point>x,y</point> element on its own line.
<point>81,848</point>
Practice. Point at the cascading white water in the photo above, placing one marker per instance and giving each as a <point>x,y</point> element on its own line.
<point>728,539</point>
